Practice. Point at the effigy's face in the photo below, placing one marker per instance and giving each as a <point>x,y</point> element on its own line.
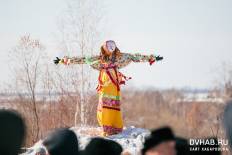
<point>110,45</point>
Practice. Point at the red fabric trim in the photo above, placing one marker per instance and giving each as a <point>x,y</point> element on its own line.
<point>151,61</point>
<point>111,78</point>
<point>111,108</point>
<point>116,73</point>
<point>99,86</point>
<point>123,82</point>
<point>116,82</point>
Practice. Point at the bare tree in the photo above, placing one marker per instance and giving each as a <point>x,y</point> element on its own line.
<point>26,66</point>
<point>79,34</point>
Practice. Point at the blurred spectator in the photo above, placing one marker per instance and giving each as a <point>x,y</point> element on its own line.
<point>182,146</point>
<point>100,146</point>
<point>62,142</point>
<point>160,142</point>
<point>12,132</point>
<point>227,120</point>
<point>126,153</point>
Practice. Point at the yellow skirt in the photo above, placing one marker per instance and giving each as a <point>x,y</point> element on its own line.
<point>108,112</point>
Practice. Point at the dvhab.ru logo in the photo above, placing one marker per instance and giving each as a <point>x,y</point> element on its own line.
<point>210,144</point>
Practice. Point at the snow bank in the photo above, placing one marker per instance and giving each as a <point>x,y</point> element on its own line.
<point>131,138</point>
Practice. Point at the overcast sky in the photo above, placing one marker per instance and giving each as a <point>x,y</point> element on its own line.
<point>194,36</point>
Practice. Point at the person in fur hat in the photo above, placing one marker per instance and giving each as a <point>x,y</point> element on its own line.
<point>12,132</point>
<point>108,63</point>
<point>100,146</point>
<point>62,142</point>
<point>160,142</point>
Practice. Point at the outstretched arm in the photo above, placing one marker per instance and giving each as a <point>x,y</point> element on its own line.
<point>92,61</point>
<point>126,58</point>
<point>76,60</point>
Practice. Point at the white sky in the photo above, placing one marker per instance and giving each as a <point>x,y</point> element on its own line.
<point>194,36</point>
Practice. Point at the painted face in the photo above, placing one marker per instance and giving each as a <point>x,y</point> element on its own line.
<point>110,45</point>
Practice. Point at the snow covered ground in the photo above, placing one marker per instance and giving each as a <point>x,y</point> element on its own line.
<point>131,138</point>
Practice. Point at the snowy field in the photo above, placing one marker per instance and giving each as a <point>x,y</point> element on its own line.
<point>131,139</point>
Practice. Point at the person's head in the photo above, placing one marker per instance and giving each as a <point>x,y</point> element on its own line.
<point>62,142</point>
<point>160,142</point>
<point>227,120</point>
<point>109,51</point>
<point>12,132</point>
<point>100,146</point>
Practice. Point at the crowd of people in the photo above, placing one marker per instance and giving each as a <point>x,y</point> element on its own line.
<point>64,141</point>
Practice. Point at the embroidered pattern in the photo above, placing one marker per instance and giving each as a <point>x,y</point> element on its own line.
<point>109,102</point>
<point>111,130</point>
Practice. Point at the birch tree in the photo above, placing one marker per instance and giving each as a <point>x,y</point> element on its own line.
<point>79,29</point>
<point>26,64</point>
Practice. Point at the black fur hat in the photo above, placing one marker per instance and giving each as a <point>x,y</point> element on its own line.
<point>100,146</point>
<point>62,142</point>
<point>158,136</point>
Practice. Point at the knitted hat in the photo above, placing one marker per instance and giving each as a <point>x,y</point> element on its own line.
<point>62,142</point>
<point>100,146</point>
<point>12,132</point>
<point>158,136</point>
